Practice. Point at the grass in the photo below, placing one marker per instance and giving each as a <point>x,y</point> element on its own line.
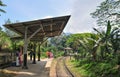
<point>71,65</point>
<point>84,68</point>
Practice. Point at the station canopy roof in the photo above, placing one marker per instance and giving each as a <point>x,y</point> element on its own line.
<point>50,27</point>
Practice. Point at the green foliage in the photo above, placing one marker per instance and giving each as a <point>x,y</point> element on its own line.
<point>59,41</point>
<point>53,49</point>
<point>43,54</point>
<point>9,32</point>
<point>58,54</point>
<point>1,4</point>
<point>103,45</point>
<point>96,69</point>
<point>106,10</point>
<point>108,29</point>
<point>73,40</point>
<point>99,53</point>
<point>4,40</point>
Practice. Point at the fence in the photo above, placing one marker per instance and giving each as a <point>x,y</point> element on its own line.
<point>6,59</point>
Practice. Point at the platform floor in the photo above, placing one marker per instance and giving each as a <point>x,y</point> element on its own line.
<point>40,69</point>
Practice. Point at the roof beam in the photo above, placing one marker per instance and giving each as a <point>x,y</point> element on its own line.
<point>13,29</point>
<point>34,33</point>
<point>51,29</point>
<point>62,26</point>
<point>28,27</point>
<point>43,41</point>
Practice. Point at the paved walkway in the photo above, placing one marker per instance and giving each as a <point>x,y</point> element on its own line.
<point>40,69</point>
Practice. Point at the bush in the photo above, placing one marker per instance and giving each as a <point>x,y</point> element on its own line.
<point>98,69</point>
<point>58,53</point>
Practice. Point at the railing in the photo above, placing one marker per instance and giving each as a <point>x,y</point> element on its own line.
<point>6,59</point>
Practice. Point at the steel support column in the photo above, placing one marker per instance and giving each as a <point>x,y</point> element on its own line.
<point>34,54</point>
<point>39,52</point>
<point>25,50</point>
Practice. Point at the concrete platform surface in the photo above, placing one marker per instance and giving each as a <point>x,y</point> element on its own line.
<point>34,70</point>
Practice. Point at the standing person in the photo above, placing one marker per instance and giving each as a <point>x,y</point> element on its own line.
<point>21,53</point>
<point>20,57</point>
<point>51,54</point>
<point>48,54</point>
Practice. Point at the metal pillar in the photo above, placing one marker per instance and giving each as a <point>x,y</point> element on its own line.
<point>14,48</point>
<point>25,47</point>
<point>25,50</point>
<point>34,54</point>
<point>39,52</point>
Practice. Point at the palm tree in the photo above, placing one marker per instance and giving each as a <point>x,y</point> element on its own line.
<point>115,39</point>
<point>88,44</point>
<point>107,41</point>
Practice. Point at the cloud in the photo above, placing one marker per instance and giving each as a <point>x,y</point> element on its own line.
<point>79,10</point>
<point>81,20</point>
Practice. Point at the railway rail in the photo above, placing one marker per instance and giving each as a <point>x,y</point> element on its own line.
<point>61,68</point>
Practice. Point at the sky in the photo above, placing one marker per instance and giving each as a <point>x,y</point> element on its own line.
<point>27,10</point>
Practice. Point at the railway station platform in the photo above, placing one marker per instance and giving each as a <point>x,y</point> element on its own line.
<point>40,69</point>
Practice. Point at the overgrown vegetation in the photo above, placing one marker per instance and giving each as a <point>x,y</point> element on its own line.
<point>98,54</point>
<point>95,69</point>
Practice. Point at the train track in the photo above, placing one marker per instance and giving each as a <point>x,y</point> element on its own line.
<point>61,68</point>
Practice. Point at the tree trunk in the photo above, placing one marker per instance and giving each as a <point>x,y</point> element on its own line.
<point>0,48</point>
<point>102,53</point>
<point>94,55</point>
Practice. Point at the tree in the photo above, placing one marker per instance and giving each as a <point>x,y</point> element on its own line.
<point>102,44</point>
<point>1,4</point>
<point>9,32</point>
<point>106,11</point>
<point>72,41</point>
<point>59,41</point>
<point>115,39</point>
<point>108,41</point>
<point>4,40</point>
